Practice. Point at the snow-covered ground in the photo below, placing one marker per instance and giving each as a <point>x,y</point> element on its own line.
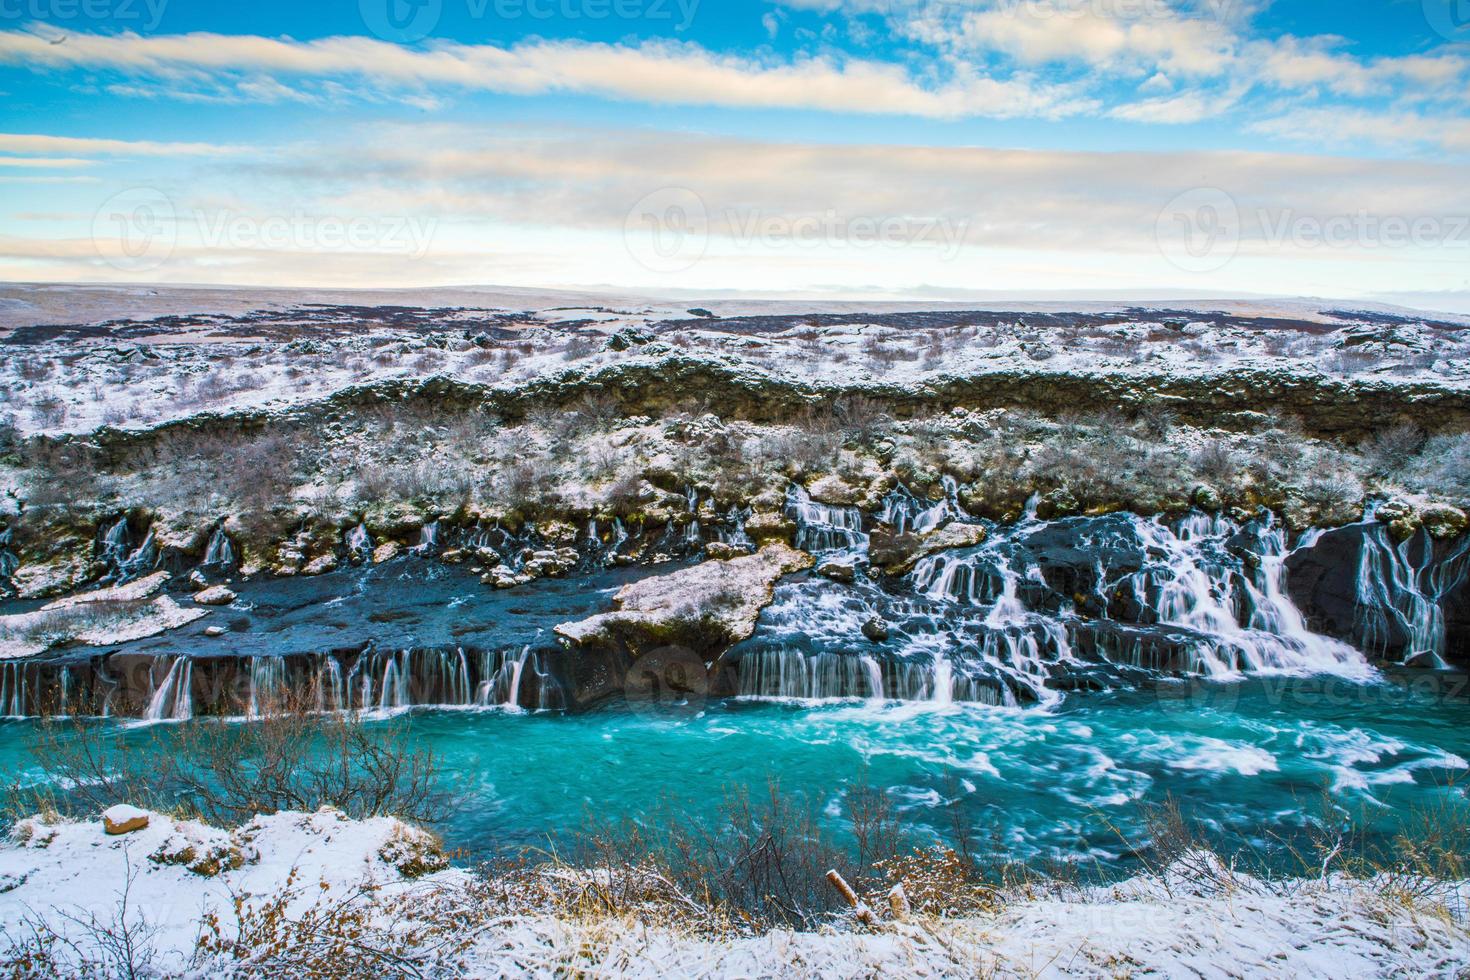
<point>70,879</point>
<point>125,369</point>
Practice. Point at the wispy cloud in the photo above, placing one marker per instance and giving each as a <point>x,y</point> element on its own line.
<point>48,163</point>
<point>89,146</point>
<point>651,72</point>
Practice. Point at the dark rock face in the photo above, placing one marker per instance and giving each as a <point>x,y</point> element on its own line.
<point>1396,601</point>
<point>886,548</point>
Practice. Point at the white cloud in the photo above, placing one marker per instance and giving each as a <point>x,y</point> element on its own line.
<point>534,207</point>
<point>1146,35</point>
<point>1184,107</point>
<point>1341,126</point>
<point>50,163</point>
<point>86,146</point>
<point>652,72</point>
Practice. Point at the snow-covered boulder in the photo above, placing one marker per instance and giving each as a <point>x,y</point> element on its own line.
<point>123,819</point>
<point>706,607</point>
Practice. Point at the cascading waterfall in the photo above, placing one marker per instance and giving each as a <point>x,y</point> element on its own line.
<point>1035,606</point>
<point>8,560</point>
<point>824,527</point>
<point>1253,625</point>
<point>359,542</point>
<point>220,554</point>
<point>428,539</point>
<point>731,530</point>
<point>115,542</point>
<point>1036,609</point>
<point>127,563</point>
<point>906,513</point>
<point>174,699</point>
<point>1394,590</point>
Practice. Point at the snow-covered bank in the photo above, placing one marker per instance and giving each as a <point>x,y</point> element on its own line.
<point>377,892</point>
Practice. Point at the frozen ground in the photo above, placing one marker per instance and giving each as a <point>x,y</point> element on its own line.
<point>69,880</point>
<point>76,358</point>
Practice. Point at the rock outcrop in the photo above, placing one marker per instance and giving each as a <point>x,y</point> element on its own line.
<point>897,554</point>
<point>706,607</point>
<point>106,616</point>
<point>1399,601</point>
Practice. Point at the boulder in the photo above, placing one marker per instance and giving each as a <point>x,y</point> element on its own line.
<point>1443,521</point>
<point>839,570</point>
<point>770,526</point>
<point>386,551</point>
<point>706,607</point>
<point>876,630</point>
<point>396,519</point>
<point>888,549</point>
<point>320,566</point>
<point>833,489</point>
<point>124,819</point>
<point>723,551</point>
<point>218,595</point>
<point>897,554</point>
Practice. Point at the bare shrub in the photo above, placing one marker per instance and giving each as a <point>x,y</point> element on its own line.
<point>1442,466</point>
<point>306,929</point>
<point>1216,462</point>
<point>760,861</point>
<point>84,945</point>
<point>49,411</point>
<point>224,772</point>
<point>862,419</point>
<point>578,347</point>
<point>1390,450</point>
<point>1334,494</point>
<point>35,368</point>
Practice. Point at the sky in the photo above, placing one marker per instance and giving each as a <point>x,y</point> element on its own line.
<point>854,148</point>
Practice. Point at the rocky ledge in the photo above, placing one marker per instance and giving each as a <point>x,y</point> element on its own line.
<point>704,608</point>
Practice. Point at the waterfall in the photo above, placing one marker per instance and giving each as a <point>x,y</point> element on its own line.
<point>127,564</point>
<point>905,513</point>
<point>1042,603</point>
<point>1395,590</point>
<point>359,542</point>
<point>517,670</point>
<point>220,553</point>
<point>428,539</point>
<point>787,673</point>
<point>824,527</point>
<point>15,690</point>
<point>1252,624</point>
<point>733,530</point>
<point>331,686</point>
<point>874,672</point>
<point>8,560</point>
<point>174,698</point>
<point>115,542</point>
<point>267,685</point>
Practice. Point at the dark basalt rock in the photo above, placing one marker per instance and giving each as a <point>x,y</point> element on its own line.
<point>1324,579</point>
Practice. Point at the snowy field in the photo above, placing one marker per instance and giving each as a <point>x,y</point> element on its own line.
<point>305,888</point>
<point>142,359</point>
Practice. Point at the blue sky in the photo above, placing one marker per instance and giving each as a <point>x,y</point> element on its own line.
<point>805,146</point>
